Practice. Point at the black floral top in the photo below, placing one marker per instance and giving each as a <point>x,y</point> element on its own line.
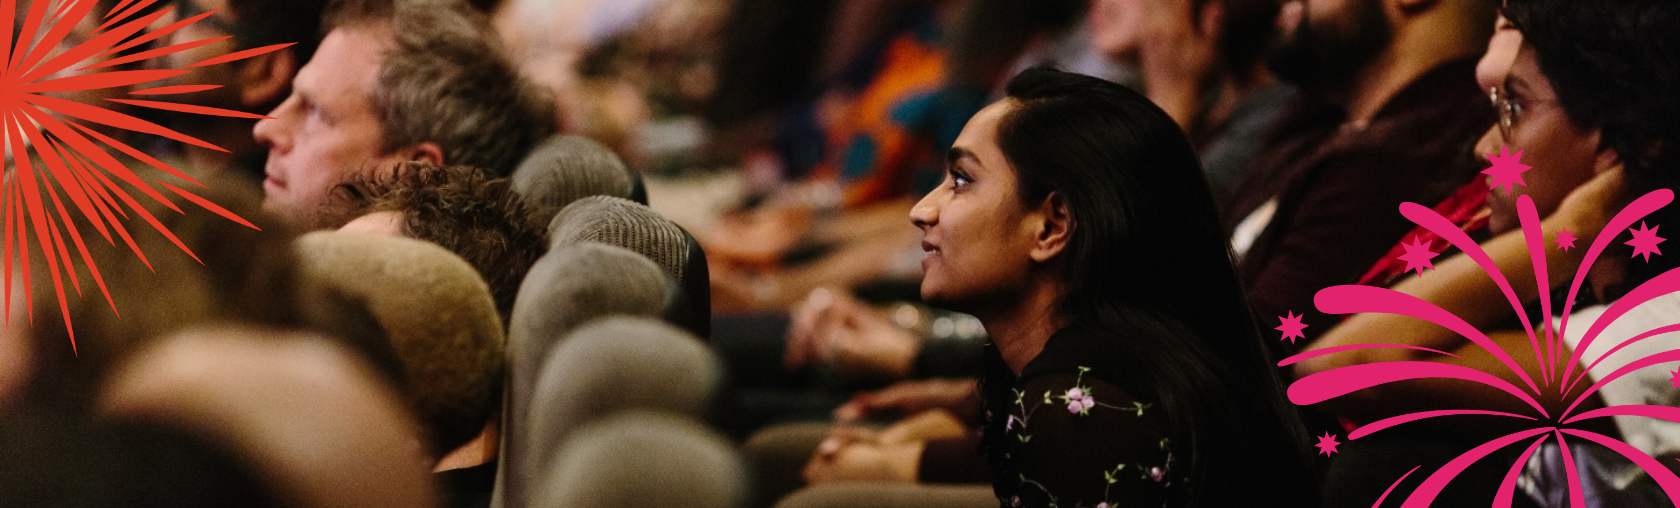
<point>1066,434</point>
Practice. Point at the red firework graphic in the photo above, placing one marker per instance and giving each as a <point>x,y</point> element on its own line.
<point>75,161</point>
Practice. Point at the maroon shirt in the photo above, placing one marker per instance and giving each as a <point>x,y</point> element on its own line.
<point>1339,188</point>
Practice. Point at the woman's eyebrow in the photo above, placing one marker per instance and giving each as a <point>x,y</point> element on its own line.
<point>958,153</point>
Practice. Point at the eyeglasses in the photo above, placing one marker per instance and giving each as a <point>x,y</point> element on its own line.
<point>1507,111</point>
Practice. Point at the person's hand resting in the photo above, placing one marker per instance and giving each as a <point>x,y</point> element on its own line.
<point>832,327</point>
<point>758,237</point>
<point>893,454</point>
<point>958,396</point>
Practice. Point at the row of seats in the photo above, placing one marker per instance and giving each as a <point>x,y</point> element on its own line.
<point>608,370</point>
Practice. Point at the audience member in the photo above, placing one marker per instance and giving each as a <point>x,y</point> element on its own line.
<point>464,209</point>
<point>397,81</point>
<point>438,315</point>
<point>321,428</point>
<point>1592,116</point>
<point>1390,112</point>
<point>54,461</point>
<point>229,272</point>
<point>1203,62</point>
<point>1002,244</point>
<point>256,84</point>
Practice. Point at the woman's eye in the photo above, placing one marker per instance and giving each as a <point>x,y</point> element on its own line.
<point>959,180</point>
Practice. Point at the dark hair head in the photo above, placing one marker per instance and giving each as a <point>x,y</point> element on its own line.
<point>447,80</point>
<point>1250,27</point>
<point>464,209</point>
<point>1615,67</point>
<point>1147,265</point>
<point>235,274</point>
<point>58,460</point>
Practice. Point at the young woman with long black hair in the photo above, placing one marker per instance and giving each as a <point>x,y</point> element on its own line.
<point>1125,368</point>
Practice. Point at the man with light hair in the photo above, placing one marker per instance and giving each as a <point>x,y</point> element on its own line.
<point>394,81</point>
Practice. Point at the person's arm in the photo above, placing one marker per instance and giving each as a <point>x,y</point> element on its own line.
<point>1330,235</point>
<point>1459,286</point>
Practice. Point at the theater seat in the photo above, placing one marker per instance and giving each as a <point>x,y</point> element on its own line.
<point>565,168</point>
<point>569,286</point>
<point>643,460</point>
<point>614,365</point>
<point>621,222</point>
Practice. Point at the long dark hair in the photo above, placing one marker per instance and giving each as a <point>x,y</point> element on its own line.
<point>1148,267</point>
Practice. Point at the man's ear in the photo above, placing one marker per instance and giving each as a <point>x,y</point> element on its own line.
<point>426,152</point>
<point>1055,228</point>
<point>267,78</point>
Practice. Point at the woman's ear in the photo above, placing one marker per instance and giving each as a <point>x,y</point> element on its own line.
<point>1055,229</point>
<point>1607,160</point>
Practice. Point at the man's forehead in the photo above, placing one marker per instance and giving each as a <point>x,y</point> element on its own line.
<point>347,57</point>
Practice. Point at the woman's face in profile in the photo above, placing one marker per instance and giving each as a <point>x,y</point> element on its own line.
<point>1561,154</point>
<point>976,234</point>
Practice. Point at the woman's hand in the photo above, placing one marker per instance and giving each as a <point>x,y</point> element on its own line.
<point>833,327</point>
<point>910,397</point>
<point>1588,208</point>
<point>855,454</point>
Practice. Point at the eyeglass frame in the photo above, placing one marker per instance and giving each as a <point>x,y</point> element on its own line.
<point>1508,109</point>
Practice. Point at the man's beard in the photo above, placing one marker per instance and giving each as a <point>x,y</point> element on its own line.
<point>1326,56</point>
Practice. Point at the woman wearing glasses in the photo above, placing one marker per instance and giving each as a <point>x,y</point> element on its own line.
<point>1585,93</point>
<point>1124,367</point>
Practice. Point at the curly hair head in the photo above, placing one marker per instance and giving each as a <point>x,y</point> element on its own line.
<point>464,209</point>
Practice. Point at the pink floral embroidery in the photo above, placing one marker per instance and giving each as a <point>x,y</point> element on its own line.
<point>1078,401</point>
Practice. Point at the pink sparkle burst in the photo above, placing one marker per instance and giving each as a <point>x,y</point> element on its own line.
<point>1327,443</point>
<point>1566,240</point>
<point>1562,370</point>
<point>1418,255</point>
<point>1645,241</point>
<point>1291,327</point>
<point>1506,169</point>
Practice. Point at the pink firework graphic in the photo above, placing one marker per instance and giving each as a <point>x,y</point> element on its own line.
<point>1559,372</point>
<point>75,164</point>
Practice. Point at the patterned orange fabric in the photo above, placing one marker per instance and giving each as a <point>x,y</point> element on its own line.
<point>872,151</point>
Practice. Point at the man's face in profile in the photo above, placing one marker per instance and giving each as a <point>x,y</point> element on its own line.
<point>327,131</point>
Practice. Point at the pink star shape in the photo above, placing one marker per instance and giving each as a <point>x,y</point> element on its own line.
<point>1674,377</point>
<point>1565,240</point>
<point>1506,169</point>
<point>1417,255</point>
<point>1327,443</point>
<point>1645,241</point>
<point>1291,327</point>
